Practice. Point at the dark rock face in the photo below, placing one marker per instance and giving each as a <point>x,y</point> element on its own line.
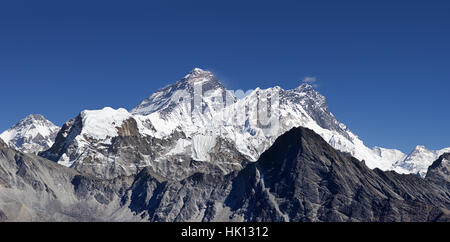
<point>439,172</point>
<point>65,136</point>
<point>3,144</point>
<point>300,178</point>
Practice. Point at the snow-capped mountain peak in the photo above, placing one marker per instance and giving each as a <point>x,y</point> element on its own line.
<point>199,85</point>
<point>309,91</point>
<point>31,134</point>
<point>304,87</point>
<point>197,73</point>
<point>419,160</point>
<point>420,148</point>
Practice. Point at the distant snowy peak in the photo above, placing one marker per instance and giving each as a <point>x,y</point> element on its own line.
<point>198,85</point>
<point>419,160</point>
<point>31,134</point>
<point>308,91</point>
<point>197,74</point>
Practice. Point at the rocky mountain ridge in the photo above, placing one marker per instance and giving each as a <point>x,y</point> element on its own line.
<point>299,178</point>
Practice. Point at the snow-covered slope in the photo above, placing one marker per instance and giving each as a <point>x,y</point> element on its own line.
<point>190,104</point>
<point>391,156</point>
<point>302,106</point>
<point>419,160</point>
<point>31,134</point>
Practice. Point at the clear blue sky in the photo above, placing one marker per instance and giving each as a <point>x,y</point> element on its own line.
<point>384,66</point>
